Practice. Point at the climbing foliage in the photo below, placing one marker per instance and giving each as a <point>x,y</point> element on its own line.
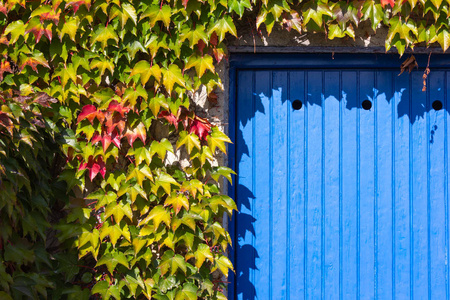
<point>109,184</point>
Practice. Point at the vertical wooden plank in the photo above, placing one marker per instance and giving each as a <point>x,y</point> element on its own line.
<point>279,183</point>
<point>245,288</point>
<point>402,250</point>
<point>446,180</point>
<point>297,187</point>
<point>349,185</point>
<point>383,111</point>
<point>367,170</point>
<point>331,184</point>
<point>261,201</point>
<point>314,185</point>
<point>436,171</point>
<point>419,188</point>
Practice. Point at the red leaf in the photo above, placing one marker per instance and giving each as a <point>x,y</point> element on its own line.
<point>212,98</point>
<point>77,3</point>
<point>44,99</point>
<point>4,67</point>
<point>97,167</point>
<point>138,132</point>
<point>213,39</point>
<point>94,167</point>
<point>115,138</point>
<point>83,166</point>
<point>172,119</point>
<point>115,106</point>
<point>5,121</point>
<point>3,9</point>
<point>106,139</point>
<point>184,2</point>
<point>390,2</point>
<point>200,127</point>
<point>114,121</point>
<point>218,54</point>
<point>201,45</point>
<point>48,34</point>
<point>87,112</point>
<point>37,32</point>
<point>96,138</point>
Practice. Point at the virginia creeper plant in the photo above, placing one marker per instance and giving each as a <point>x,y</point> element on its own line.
<point>95,95</point>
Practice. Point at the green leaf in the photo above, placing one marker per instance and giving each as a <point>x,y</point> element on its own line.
<point>171,76</point>
<point>115,232</point>
<point>177,201</point>
<point>165,181</point>
<point>158,214</point>
<point>146,71</point>
<point>189,141</point>
<point>189,292</point>
<point>93,237</point>
<point>66,73</point>
<point>238,6</point>
<point>437,3</point>
<point>69,27</point>
<point>161,148</point>
<point>373,11</point>
<point>103,34</point>
<point>201,64</point>
<point>172,261</point>
<point>194,35</point>
<point>102,65</point>
<point>203,252</point>
<point>139,173</point>
<point>223,26</point>
<point>155,14</point>
<point>5,296</point>
<point>16,29</point>
<point>127,11</point>
<point>111,260</point>
<point>443,39</point>
<point>105,290</point>
<point>118,210</point>
<point>222,171</point>
<point>140,154</point>
<point>156,102</point>
<point>223,264</point>
<point>217,139</point>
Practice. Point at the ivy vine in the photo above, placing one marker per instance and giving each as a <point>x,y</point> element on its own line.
<point>95,118</point>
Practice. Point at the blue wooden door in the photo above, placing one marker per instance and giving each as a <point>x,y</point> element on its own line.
<point>345,197</point>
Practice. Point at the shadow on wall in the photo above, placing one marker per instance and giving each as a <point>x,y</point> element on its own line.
<point>404,103</point>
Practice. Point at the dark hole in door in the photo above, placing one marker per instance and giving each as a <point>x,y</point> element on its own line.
<point>437,105</point>
<point>366,104</point>
<point>297,104</point>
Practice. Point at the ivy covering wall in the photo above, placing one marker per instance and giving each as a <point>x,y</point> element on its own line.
<point>95,95</point>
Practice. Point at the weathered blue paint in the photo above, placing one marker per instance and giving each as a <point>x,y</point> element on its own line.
<point>339,202</point>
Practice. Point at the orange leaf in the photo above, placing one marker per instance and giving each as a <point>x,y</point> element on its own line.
<point>4,67</point>
<point>138,132</point>
<point>390,2</point>
<point>51,16</point>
